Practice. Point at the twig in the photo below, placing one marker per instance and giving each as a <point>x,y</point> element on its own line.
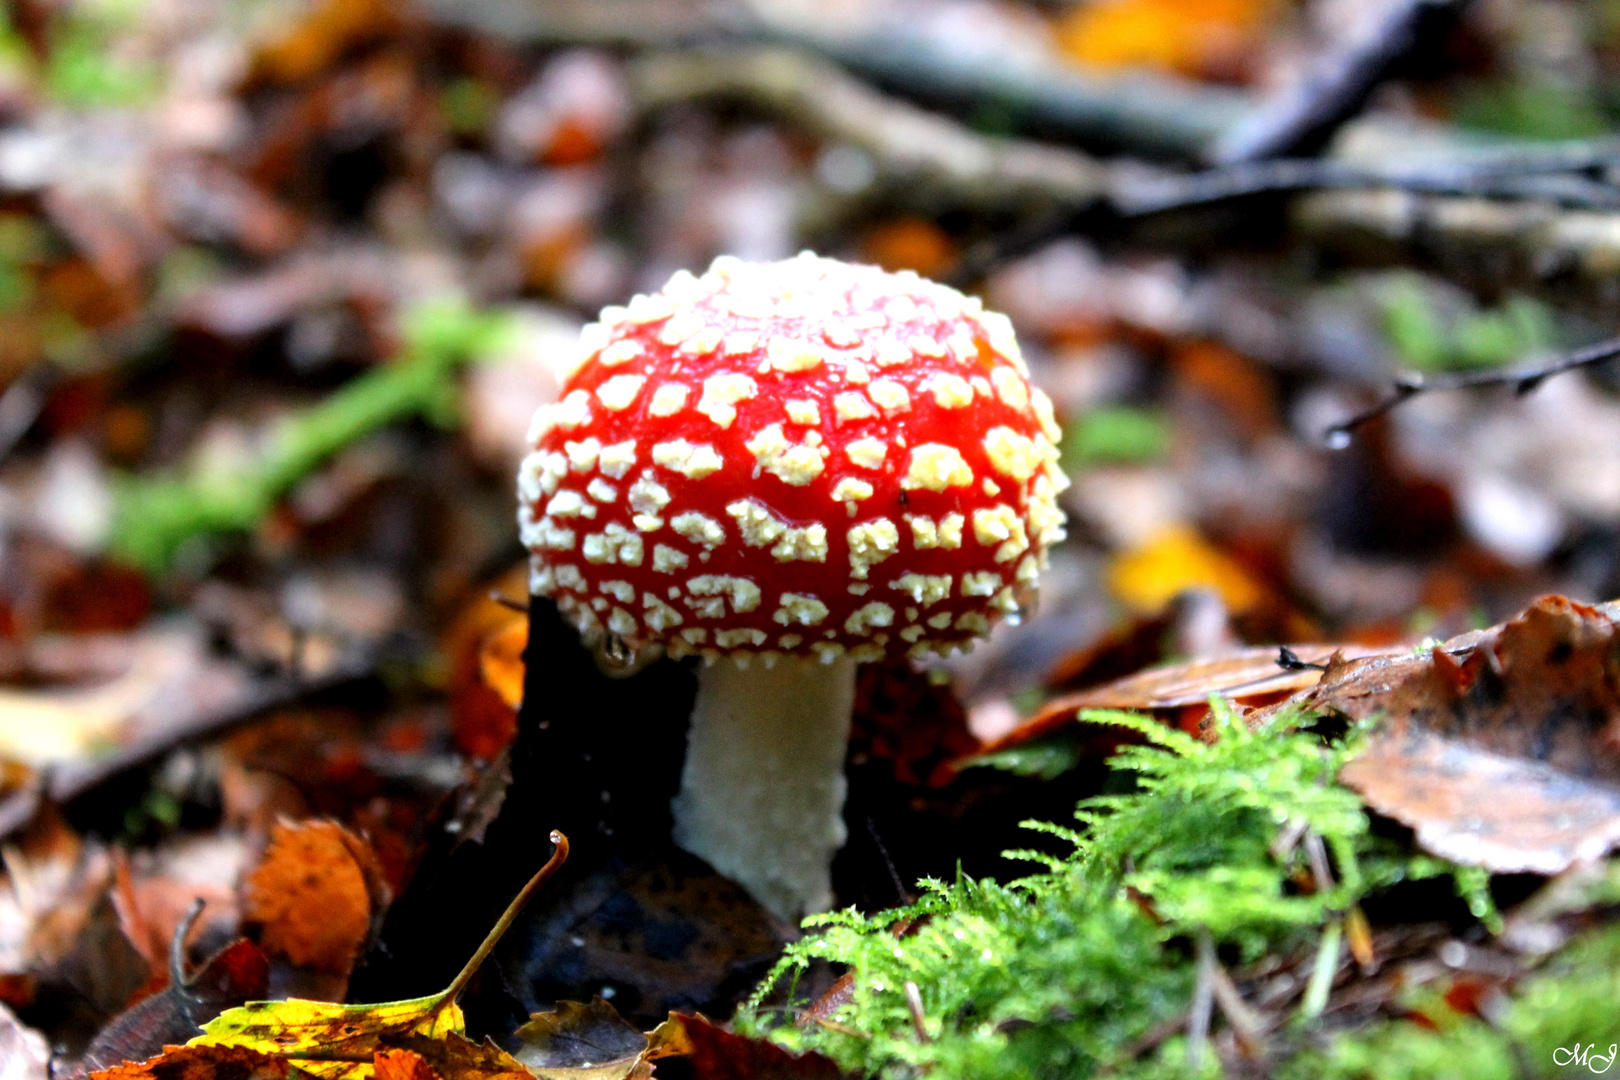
<point>1144,114</point>
<point>1246,1023</point>
<point>1303,118</point>
<point>1522,378</point>
<point>914,1004</point>
<point>911,149</point>
<point>1322,973</point>
<point>1202,1002</point>
<point>1551,179</point>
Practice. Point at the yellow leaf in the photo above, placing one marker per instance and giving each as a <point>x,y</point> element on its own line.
<point>1200,38</point>
<point>342,1040</point>
<point>1147,578</point>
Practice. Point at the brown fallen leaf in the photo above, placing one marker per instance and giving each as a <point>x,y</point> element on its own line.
<point>314,897</point>
<point>1501,748</point>
<point>402,1065</point>
<point>1247,676</point>
<point>200,1063</point>
<point>582,1042</point>
<point>717,1054</point>
<point>177,1013</point>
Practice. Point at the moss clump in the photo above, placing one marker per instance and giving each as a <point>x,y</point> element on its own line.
<point>1060,973</point>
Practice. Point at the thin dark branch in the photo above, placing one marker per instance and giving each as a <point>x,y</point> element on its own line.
<point>1522,378</point>
<point>1302,119</point>
<point>1558,176</point>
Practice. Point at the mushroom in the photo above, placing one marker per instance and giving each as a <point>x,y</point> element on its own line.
<point>788,469</point>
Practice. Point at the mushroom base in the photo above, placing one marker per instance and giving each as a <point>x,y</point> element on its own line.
<point>762,793</point>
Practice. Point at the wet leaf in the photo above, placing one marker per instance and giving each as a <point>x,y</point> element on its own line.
<point>1502,748</point>
<point>582,1042</point>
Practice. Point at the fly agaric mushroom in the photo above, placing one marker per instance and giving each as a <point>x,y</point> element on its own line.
<point>806,464</point>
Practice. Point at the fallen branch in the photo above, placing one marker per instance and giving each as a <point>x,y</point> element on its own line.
<point>930,156</point>
<point>1523,379</point>
<point>1144,114</point>
<point>1302,119</point>
<point>1559,174</point>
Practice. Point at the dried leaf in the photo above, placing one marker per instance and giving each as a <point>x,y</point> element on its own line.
<point>1246,676</point>
<point>1500,749</point>
<point>201,1063</point>
<point>500,661</point>
<point>236,974</point>
<point>717,1054</point>
<point>582,1042</point>
<point>314,895</point>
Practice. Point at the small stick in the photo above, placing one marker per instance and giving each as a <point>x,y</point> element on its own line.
<point>1327,966</point>
<point>1523,379</point>
<point>914,1003</point>
<point>508,917</point>
<point>1202,1003</point>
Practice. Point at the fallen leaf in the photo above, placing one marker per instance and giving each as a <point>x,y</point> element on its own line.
<point>1246,676</point>
<point>176,1013</point>
<point>350,1034</point>
<point>314,895</point>
<point>402,1065</point>
<point>1500,748</point>
<point>200,1063</point>
<point>718,1054</point>
<point>1201,38</point>
<point>582,1042</point>
<point>341,1042</point>
<point>1176,559</point>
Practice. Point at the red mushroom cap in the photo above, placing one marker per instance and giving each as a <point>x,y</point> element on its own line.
<point>802,457</point>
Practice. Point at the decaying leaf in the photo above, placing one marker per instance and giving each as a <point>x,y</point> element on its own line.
<point>342,1042</point>
<point>583,1042</point>
<point>1500,748</point>
<point>1246,676</point>
<point>177,1012</point>
<point>718,1054</point>
<point>315,895</point>
<point>200,1063</point>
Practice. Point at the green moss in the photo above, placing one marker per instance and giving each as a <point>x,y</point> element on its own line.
<point>155,515</point>
<point>1114,435</point>
<point>1430,341</point>
<point>1059,973</point>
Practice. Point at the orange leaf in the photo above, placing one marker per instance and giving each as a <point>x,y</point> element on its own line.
<point>1199,38</point>
<point>311,895</point>
<point>403,1065</point>
<point>200,1063</point>
<point>500,660</point>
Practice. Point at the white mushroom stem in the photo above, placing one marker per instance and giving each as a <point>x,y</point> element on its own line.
<point>762,794</point>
